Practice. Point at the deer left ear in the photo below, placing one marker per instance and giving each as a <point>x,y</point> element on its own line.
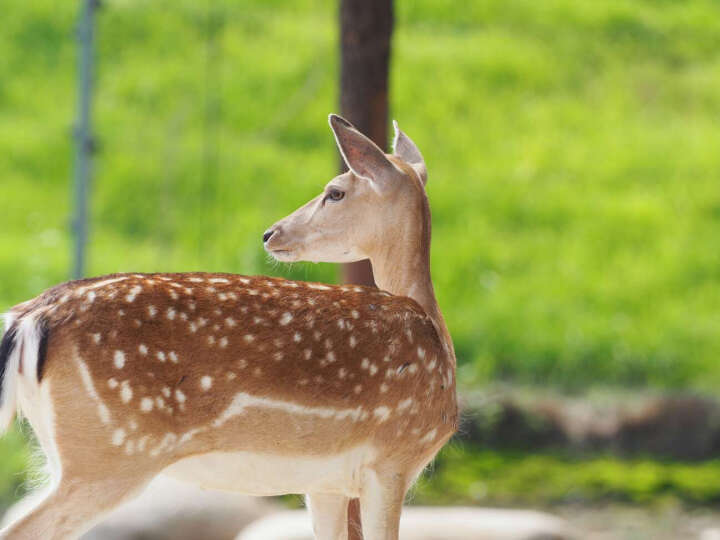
<point>362,156</point>
<point>405,148</point>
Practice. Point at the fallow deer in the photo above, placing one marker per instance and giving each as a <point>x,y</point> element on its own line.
<point>251,384</point>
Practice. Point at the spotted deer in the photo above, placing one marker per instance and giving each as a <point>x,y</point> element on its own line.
<point>251,384</point>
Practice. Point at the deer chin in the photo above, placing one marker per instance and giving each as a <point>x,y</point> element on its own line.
<point>283,255</point>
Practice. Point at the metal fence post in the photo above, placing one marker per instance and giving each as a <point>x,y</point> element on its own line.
<point>84,141</point>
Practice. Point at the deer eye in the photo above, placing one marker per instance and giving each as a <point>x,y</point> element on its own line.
<point>335,195</point>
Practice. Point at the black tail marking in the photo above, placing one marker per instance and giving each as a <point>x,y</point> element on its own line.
<point>44,331</point>
<point>7,346</point>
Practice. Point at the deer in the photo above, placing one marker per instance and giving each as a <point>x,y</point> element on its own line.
<point>252,384</point>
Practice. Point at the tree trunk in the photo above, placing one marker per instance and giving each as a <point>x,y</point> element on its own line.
<point>365,35</point>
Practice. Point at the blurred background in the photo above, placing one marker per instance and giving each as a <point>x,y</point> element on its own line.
<point>573,149</point>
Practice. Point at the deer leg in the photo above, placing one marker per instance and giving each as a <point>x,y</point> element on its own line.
<point>381,499</point>
<point>70,509</point>
<point>329,516</point>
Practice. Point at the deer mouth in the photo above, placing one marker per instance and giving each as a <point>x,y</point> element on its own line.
<point>282,255</point>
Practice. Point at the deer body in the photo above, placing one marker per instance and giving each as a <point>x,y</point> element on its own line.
<point>252,384</point>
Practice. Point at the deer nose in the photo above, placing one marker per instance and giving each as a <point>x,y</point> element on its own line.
<point>268,234</point>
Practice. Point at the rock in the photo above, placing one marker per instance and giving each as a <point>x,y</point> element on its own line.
<point>171,509</point>
<point>431,523</point>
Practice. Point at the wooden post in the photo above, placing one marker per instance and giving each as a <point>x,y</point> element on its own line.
<point>365,36</point>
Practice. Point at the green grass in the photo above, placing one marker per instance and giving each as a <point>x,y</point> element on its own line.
<point>466,476</point>
<point>572,149</point>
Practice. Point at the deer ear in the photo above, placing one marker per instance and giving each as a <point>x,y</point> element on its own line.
<point>405,148</point>
<point>362,156</point>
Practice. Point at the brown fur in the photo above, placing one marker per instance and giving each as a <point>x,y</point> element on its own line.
<point>190,327</point>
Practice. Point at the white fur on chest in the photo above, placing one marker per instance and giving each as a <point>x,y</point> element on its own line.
<point>260,474</point>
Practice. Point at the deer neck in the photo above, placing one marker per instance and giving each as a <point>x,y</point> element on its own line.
<point>402,268</point>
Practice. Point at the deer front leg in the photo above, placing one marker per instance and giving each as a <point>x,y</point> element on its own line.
<point>381,499</point>
<point>329,515</point>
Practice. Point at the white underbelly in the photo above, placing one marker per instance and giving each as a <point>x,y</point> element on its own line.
<point>260,474</point>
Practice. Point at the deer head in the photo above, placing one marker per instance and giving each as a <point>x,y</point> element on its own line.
<point>378,202</point>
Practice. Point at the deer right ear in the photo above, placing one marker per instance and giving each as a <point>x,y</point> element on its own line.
<point>405,148</point>
<point>362,156</point>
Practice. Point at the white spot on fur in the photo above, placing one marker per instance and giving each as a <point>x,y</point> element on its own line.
<point>96,338</point>
<point>180,396</point>
<point>130,298</point>
<point>318,286</point>
<point>173,357</point>
<point>118,437</point>
<point>373,369</point>
<point>421,353</point>
<point>384,388</point>
<point>142,348</point>
<point>219,280</point>
<point>206,382</point>
<point>249,338</point>
<point>355,314</point>
<point>429,436</point>
<point>119,359</point>
<point>404,404</point>
<point>382,413</point>
<point>166,391</point>
<point>223,342</point>
<point>112,383</point>
<point>171,314</point>
<point>126,392</point>
<point>365,363</point>
<point>146,404</point>
<point>230,322</point>
<point>160,356</point>
<point>286,318</point>
<point>152,311</point>
<point>353,341</point>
